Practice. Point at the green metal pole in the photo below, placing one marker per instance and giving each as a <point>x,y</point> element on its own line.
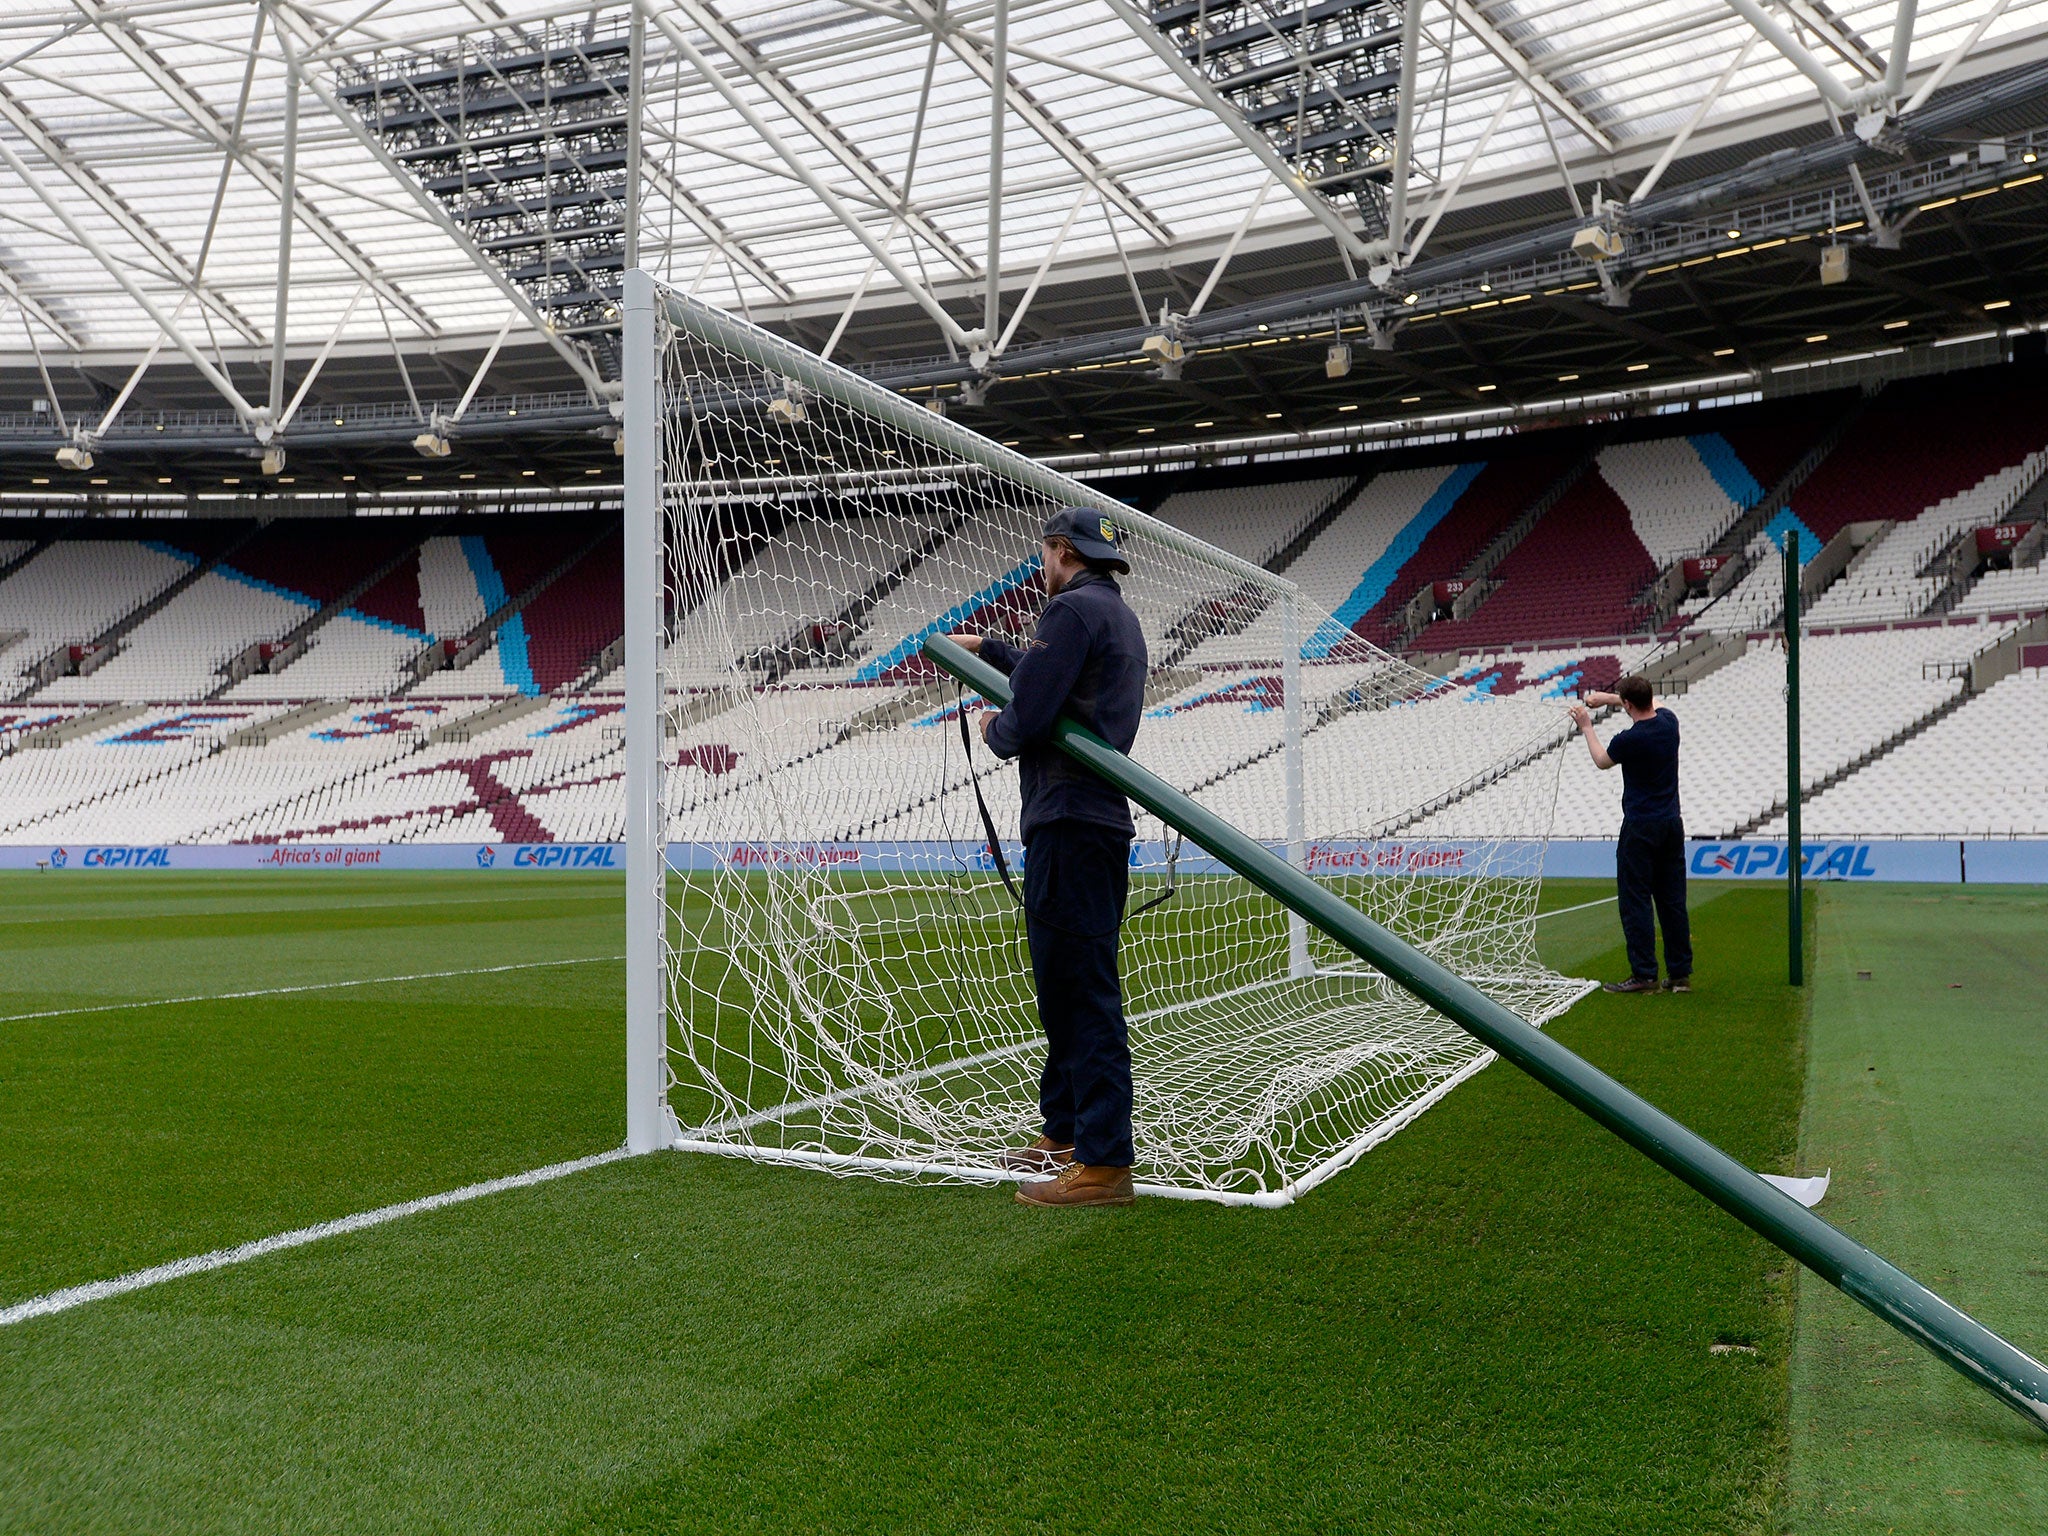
<point>1795,848</point>
<point>2017,1379</point>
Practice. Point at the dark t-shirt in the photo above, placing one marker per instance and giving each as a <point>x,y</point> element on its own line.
<point>1648,754</point>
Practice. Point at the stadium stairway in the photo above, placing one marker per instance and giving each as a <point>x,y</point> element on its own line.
<point>480,637</point>
<point>21,557</point>
<point>1890,744</point>
<point>1478,574</point>
<point>1736,544</point>
<point>56,664</point>
<point>295,641</point>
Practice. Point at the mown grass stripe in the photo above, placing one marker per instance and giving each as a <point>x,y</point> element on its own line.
<point>311,986</point>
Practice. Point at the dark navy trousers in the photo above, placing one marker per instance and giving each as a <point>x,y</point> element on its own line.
<point>1076,876</point>
<point>1649,869</point>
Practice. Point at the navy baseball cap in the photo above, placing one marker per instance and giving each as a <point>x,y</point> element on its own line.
<point>1096,538</point>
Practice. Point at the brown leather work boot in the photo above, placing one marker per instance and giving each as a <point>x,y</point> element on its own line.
<point>1043,1156</point>
<point>1079,1184</point>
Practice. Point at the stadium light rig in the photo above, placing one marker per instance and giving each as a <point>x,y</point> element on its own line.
<point>73,456</point>
<point>432,445</point>
<point>1337,362</point>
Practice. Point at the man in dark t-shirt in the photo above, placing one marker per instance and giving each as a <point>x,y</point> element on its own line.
<point>1649,856</point>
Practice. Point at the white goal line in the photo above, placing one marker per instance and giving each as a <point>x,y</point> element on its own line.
<point>101,1290</point>
<point>311,986</point>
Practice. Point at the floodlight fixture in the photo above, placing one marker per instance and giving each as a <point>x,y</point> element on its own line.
<point>432,445</point>
<point>1834,265</point>
<point>787,406</point>
<point>273,460</point>
<point>1598,243</point>
<point>1337,362</point>
<point>72,456</point>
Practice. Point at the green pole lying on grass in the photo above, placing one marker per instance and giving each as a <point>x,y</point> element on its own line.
<point>2017,1379</point>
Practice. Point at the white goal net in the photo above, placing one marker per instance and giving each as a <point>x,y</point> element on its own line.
<point>843,976</point>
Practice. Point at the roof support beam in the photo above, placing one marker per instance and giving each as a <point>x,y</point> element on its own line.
<point>1042,123</point>
<point>1524,69</point>
<point>1902,49</point>
<point>30,305</point>
<point>117,30</point>
<point>287,207</point>
<point>1450,192</point>
<point>319,362</point>
<point>998,116</point>
<point>828,138</point>
<point>1246,134</point>
<point>1684,135</point>
<point>1404,130</point>
<point>576,357</point>
<point>949,327</point>
<point>1962,51</point>
<point>1774,32</point>
<point>80,175</point>
<point>1837,36</point>
<point>119,273</point>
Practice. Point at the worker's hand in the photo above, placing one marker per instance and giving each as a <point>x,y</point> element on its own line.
<point>968,642</point>
<point>1603,700</point>
<point>987,719</point>
<point>1581,716</point>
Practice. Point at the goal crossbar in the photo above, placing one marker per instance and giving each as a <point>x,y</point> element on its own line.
<point>2014,1377</point>
<point>773,355</point>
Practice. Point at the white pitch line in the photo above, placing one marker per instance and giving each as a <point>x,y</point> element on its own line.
<point>1582,906</point>
<point>311,986</point>
<point>221,1258</point>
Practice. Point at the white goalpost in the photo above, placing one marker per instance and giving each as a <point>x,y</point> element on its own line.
<point>825,965</point>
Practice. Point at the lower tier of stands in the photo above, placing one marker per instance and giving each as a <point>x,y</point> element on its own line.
<point>1892,741</point>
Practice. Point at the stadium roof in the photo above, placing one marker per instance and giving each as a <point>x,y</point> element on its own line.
<point>790,147</point>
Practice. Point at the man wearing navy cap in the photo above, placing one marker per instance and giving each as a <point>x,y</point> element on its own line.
<point>1087,660</point>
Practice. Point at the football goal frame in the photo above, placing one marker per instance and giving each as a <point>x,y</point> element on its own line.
<point>650,1123</point>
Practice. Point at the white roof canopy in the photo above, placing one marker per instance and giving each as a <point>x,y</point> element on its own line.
<point>144,147</point>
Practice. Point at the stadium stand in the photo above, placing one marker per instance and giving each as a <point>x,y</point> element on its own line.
<point>1682,493</point>
<point>1498,494</point>
<point>1931,456</point>
<point>1980,772</point>
<point>1858,692</point>
<point>522,741</point>
<point>2007,591</point>
<point>1578,574</point>
<point>1252,522</point>
<point>575,617</point>
<point>1350,566</point>
<point>78,588</point>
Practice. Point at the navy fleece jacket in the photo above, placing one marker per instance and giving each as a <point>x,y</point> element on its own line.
<point>1086,659</point>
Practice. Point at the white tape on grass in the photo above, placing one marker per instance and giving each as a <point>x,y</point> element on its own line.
<point>311,986</point>
<point>221,1258</point>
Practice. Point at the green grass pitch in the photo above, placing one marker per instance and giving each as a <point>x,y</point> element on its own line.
<point>1500,1321</point>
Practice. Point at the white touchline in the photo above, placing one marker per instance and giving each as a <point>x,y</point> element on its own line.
<point>311,986</point>
<point>221,1258</point>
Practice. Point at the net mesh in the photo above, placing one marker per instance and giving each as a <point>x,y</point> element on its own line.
<point>846,974</point>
